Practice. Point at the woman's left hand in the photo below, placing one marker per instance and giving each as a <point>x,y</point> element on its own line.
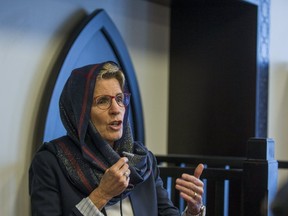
<point>191,189</point>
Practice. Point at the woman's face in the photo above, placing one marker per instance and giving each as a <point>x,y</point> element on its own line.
<point>109,123</point>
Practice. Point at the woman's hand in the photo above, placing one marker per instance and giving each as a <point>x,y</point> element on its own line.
<point>191,189</point>
<point>114,181</point>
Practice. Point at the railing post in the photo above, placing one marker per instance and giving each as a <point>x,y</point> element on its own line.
<point>260,177</point>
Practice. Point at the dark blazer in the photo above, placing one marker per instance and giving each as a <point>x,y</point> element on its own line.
<point>53,194</point>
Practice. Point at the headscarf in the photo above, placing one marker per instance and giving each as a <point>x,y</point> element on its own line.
<point>83,154</point>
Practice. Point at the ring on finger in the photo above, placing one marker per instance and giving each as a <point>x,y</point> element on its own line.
<point>195,194</point>
<point>126,174</point>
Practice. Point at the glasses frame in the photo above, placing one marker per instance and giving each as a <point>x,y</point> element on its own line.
<point>125,95</point>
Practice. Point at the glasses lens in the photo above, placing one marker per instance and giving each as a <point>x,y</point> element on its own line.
<point>123,99</point>
<point>103,102</point>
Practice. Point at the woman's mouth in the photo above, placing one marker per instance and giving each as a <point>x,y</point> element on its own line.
<point>115,125</point>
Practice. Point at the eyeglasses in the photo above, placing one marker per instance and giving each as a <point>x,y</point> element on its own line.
<point>104,101</point>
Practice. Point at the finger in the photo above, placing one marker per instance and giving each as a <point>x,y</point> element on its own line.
<point>120,163</point>
<point>187,179</point>
<point>127,174</point>
<point>198,171</point>
<point>189,189</point>
<point>191,198</point>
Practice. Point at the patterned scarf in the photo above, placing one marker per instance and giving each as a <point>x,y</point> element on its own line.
<point>83,155</point>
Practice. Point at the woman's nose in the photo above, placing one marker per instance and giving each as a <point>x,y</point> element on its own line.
<point>115,108</point>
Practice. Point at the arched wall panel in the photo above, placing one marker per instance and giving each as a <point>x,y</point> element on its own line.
<point>95,40</point>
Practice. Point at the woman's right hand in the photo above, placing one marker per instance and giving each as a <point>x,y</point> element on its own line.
<point>114,181</point>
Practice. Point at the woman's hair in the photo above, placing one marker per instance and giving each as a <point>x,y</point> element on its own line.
<point>112,70</point>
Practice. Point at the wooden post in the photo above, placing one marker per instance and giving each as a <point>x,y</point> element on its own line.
<point>260,177</point>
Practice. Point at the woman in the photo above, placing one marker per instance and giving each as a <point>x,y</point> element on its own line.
<point>97,168</point>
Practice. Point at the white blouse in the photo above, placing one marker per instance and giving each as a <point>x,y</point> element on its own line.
<point>115,209</point>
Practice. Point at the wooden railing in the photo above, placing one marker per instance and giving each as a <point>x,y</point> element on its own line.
<point>282,164</point>
<point>233,186</point>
